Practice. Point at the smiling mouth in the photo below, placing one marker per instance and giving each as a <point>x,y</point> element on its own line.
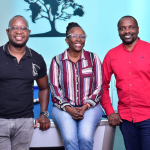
<point>78,45</point>
<point>127,36</point>
<point>18,38</point>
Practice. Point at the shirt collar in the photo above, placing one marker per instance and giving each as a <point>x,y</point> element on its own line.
<point>28,50</point>
<point>134,45</point>
<point>66,57</point>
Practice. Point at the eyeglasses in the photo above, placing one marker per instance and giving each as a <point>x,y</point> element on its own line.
<point>22,28</point>
<point>75,36</point>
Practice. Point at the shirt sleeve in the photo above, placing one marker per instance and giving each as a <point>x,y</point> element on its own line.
<point>106,102</point>
<point>56,92</point>
<point>43,69</point>
<point>96,95</point>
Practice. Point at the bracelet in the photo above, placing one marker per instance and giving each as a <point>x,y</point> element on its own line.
<point>87,105</point>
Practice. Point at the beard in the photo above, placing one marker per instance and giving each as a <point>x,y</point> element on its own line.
<point>18,45</point>
<point>126,41</point>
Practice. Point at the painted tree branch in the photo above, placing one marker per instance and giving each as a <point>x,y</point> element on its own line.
<point>42,17</point>
<point>43,4</point>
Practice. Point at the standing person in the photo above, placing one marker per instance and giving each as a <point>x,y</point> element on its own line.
<point>76,83</point>
<point>130,63</point>
<point>19,67</point>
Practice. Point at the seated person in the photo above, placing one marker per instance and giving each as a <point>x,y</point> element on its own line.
<point>76,83</point>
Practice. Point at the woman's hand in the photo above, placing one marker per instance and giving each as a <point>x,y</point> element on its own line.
<point>82,110</point>
<point>73,111</point>
<point>77,113</point>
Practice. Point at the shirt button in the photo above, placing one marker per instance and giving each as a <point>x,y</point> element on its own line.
<point>77,90</point>
<point>129,73</point>
<point>129,52</point>
<point>131,107</point>
<point>130,95</point>
<point>77,97</point>
<point>130,84</point>
<point>129,62</point>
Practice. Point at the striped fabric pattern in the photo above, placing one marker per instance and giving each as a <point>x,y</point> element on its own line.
<point>76,84</point>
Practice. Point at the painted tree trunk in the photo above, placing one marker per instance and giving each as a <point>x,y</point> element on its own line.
<point>52,33</point>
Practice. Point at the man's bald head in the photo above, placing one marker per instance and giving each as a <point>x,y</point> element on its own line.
<point>15,17</point>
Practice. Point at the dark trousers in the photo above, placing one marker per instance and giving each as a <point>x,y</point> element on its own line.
<point>136,135</point>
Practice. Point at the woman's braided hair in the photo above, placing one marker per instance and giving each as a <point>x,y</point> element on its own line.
<point>70,26</point>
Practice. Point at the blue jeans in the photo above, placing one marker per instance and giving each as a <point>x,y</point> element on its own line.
<point>77,135</point>
<point>136,135</point>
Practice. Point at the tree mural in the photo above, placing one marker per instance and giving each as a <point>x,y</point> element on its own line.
<point>49,9</point>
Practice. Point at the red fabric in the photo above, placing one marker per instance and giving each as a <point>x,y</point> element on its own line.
<point>132,73</point>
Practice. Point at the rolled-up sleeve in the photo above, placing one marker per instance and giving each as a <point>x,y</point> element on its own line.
<point>56,92</point>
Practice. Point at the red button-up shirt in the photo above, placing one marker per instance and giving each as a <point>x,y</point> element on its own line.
<point>76,83</point>
<point>132,73</point>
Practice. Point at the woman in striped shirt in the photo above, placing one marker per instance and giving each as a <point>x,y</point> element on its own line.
<point>76,83</point>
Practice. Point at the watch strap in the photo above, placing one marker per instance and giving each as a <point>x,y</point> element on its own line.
<point>45,113</point>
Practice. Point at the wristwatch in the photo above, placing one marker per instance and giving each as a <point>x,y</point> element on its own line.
<point>45,113</point>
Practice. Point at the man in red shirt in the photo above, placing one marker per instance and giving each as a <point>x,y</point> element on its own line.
<point>130,63</point>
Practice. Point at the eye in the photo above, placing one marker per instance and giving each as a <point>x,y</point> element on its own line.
<point>14,28</point>
<point>131,27</point>
<point>122,28</point>
<point>74,35</point>
<point>24,28</point>
<point>82,36</point>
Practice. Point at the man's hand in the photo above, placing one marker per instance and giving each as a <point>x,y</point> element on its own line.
<point>114,119</point>
<point>44,100</point>
<point>44,122</point>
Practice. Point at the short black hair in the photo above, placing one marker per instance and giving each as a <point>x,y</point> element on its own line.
<point>127,17</point>
<point>18,16</point>
<point>70,26</point>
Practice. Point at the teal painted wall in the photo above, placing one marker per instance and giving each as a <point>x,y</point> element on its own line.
<point>99,22</point>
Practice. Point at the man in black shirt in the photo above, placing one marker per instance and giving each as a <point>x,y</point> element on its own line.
<point>19,67</point>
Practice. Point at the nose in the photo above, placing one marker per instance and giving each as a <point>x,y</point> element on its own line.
<point>127,30</point>
<point>78,38</point>
<point>19,30</point>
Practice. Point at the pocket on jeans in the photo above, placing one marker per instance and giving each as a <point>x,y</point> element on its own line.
<point>26,131</point>
<point>4,128</point>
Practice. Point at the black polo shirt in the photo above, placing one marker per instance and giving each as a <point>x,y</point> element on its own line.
<point>16,82</point>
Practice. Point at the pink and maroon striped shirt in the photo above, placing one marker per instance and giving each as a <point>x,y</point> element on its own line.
<point>76,84</point>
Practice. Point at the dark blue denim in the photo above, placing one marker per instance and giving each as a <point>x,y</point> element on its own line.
<point>136,135</point>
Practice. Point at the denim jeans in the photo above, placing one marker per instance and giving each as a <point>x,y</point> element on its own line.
<point>136,135</point>
<point>16,134</point>
<point>77,135</point>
